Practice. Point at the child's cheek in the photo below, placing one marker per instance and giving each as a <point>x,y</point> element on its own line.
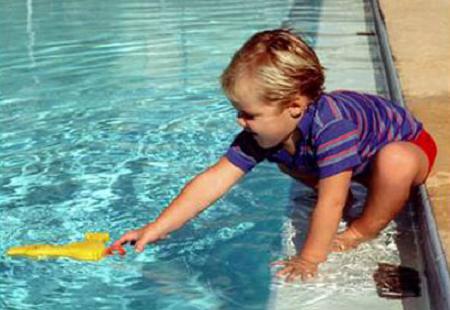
<point>252,125</point>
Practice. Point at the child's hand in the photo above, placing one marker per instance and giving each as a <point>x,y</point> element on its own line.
<point>140,237</point>
<point>295,267</point>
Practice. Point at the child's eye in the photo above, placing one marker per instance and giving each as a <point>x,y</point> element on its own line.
<point>244,115</point>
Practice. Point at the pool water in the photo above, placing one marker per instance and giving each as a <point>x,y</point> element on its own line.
<point>108,108</point>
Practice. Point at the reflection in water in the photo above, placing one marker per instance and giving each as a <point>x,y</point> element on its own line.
<point>30,33</point>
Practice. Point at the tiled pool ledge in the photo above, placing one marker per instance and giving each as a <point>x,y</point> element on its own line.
<point>426,94</point>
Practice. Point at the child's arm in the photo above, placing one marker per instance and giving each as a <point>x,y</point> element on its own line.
<point>196,196</point>
<point>325,220</point>
<point>333,192</point>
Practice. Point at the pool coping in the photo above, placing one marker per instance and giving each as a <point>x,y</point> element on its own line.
<point>436,268</point>
<point>423,73</point>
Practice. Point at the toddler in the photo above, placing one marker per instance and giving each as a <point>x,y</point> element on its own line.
<point>326,140</point>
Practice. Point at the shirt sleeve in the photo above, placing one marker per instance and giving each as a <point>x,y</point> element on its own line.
<point>337,148</point>
<point>245,152</point>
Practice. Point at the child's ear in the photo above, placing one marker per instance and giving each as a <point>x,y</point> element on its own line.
<point>296,111</point>
<point>298,107</point>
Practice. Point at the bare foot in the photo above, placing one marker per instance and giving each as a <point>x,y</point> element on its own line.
<point>348,240</point>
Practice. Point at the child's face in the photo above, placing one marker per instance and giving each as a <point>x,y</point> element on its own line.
<point>270,124</point>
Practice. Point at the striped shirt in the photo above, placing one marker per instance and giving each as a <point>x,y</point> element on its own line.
<point>341,130</point>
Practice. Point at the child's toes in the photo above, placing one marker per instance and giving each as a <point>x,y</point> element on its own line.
<point>339,245</point>
<point>344,242</point>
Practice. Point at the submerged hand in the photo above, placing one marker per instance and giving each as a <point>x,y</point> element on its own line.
<point>295,267</point>
<point>141,237</point>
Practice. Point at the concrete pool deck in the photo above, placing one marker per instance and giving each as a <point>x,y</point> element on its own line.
<point>420,42</point>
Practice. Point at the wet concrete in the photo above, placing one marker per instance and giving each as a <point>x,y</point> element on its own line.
<point>420,41</point>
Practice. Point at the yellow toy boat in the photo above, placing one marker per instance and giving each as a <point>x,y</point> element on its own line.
<point>92,248</point>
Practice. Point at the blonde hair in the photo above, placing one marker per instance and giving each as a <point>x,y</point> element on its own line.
<point>283,64</point>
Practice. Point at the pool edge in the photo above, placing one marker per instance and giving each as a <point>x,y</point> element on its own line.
<point>435,263</point>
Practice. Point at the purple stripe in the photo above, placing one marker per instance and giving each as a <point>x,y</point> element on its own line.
<point>333,107</point>
<point>335,143</point>
<point>345,164</point>
<point>391,122</point>
<point>381,127</point>
<point>359,110</point>
<point>317,120</point>
<point>334,158</point>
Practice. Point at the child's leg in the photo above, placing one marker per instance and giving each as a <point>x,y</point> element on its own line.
<point>396,169</point>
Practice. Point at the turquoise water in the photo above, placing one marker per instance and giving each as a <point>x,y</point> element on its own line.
<point>108,108</point>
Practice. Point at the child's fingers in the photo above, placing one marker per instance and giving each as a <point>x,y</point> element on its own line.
<point>147,236</point>
<point>140,245</point>
<point>293,276</point>
<point>128,237</point>
<point>280,262</point>
<point>124,239</point>
<point>284,271</point>
<point>292,273</point>
<point>302,274</point>
<point>142,242</point>
<point>118,242</point>
<point>308,276</point>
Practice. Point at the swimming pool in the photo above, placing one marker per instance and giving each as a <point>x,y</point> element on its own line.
<point>108,108</point>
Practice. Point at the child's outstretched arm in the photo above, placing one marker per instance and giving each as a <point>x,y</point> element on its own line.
<point>325,220</point>
<point>197,195</point>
